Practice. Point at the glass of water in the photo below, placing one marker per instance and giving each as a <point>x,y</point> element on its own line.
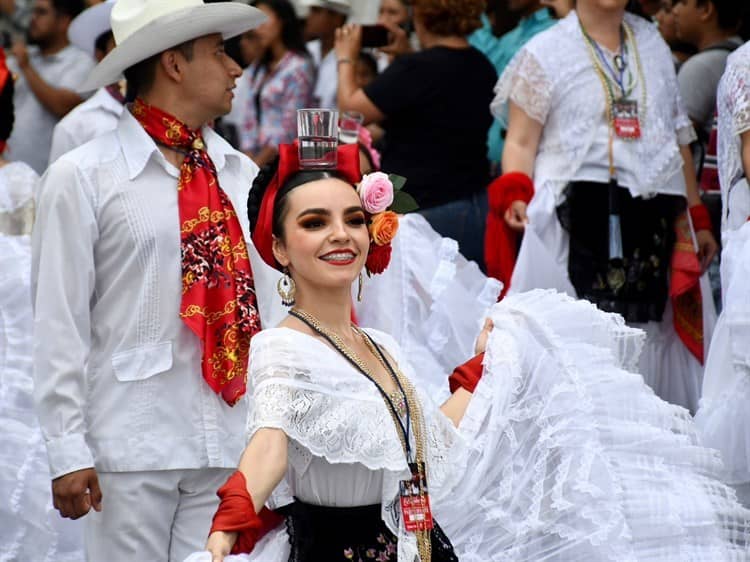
<point>317,130</point>
<point>349,125</point>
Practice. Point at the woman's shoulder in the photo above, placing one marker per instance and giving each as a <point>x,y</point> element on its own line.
<point>295,62</point>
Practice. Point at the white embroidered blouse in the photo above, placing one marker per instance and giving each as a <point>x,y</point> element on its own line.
<point>553,80</point>
<point>344,447</point>
<point>733,101</point>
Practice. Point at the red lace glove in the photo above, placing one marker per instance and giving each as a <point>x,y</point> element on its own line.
<point>467,375</point>
<point>500,241</point>
<point>237,514</point>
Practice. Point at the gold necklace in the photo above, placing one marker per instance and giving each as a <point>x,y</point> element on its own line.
<point>411,403</point>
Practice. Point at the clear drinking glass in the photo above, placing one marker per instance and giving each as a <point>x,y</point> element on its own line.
<point>349,125</point>
<point>317,130</point>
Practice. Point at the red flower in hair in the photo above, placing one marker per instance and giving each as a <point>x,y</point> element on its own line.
<point>378,258</point>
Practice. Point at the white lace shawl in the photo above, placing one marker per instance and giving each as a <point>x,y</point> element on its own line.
<point>17,182</point>
<point>330,410</point>
<point>733,101</point>
<point>553,81</point>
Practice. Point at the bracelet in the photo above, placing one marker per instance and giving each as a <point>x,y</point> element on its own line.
<point>700,218</point>
<point>345,60</point>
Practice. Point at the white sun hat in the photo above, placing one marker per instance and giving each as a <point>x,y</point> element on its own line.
<point>143,28</point>
<point>86,28</point>
<point>340,6</point>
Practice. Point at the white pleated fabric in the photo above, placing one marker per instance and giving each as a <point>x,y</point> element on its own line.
<point>724,415</point>
<point>30,529</point>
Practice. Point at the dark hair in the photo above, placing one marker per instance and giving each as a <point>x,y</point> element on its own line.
<point>140,77</point>
<point>263,180</point>
<point>729,13</point>
<point>7,113</point>
<point>100,44</point>
<point>291,30</point>
<point>449,17</point>
<point>369,61</point>
<point>68,7</point>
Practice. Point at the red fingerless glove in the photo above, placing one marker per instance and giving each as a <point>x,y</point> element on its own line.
<point>700,218</point>
<point>500,241</point>
<point>467,375</point>
<point>237,514</point>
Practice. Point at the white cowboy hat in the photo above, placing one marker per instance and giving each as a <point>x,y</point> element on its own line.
<point>86,28</point>
<point>143,28</point>
<point>340,6</point>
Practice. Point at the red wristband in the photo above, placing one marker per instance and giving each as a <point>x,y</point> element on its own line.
<point>700,218</point>
<point>467,375</point>
<point>513,186</point>
<point>236,513</point>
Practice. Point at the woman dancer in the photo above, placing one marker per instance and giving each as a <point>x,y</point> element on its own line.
<point>553,455</point>
<point>594,117</point>
<point>724,418</point>
<point>280,83</point>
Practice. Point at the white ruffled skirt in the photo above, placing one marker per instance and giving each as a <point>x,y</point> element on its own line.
<point>724,415</point>
<point>30,529</point>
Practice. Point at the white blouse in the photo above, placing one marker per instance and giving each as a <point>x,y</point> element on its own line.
<point>733,101</point>
<point>553,80</point>
<point>344,449</point>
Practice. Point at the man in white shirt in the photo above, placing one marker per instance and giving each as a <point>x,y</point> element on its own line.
<point>47,75</point>
<point>99,114</point>
<point>323,19</point>
<point>135,404</point>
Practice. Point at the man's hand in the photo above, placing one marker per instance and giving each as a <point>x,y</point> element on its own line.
<point>74,494</point>
<point>21,54</point>
<point>707,248</point>
<point>220,544</point>
<point>515,216</point>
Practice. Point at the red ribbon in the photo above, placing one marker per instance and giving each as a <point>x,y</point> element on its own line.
<point>236,513</point>
<point>467,375</point>
<point>685,291</point>
<point>347,167</point>
<point>500,241</point>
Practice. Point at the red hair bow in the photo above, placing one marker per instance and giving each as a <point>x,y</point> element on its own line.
<point>347,167</point>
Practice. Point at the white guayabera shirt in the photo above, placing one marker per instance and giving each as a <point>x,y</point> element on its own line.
<point>117,372</point>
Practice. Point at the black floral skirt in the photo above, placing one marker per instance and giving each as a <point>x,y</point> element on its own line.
<point>636,285</point>
<point>348,534</point>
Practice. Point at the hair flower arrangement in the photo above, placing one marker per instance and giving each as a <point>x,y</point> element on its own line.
<point>383,199</point>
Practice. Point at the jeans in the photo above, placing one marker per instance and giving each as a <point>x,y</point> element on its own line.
<point>463,220</point>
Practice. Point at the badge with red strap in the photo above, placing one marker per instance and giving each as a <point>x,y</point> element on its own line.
<point>415,500</point>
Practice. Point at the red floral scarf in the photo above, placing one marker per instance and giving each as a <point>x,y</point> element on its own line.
<point>218,293</point>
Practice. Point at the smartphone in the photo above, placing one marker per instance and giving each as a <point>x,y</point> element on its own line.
<point>374,36</point>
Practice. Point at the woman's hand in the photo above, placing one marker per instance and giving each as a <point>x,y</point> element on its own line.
<point>348,42</point>
<point>515,216</point>
<point>398,41</point>
<point>481,344</point>
<point>220,544</point>
<point>707,248</point>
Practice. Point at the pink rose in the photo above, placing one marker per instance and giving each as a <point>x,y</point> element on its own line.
<point>376,192</point>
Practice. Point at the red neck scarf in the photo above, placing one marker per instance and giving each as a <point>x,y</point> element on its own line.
<point>4,77</point>
<point>218,293</point>
<point>347,168</point>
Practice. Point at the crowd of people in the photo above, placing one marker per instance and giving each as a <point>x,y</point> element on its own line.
<point>507,320</point>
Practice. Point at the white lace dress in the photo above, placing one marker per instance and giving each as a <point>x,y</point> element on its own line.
<point>563,454</point>
<point>30,529</point>
<point>724,415</point>
<point>553,81</point>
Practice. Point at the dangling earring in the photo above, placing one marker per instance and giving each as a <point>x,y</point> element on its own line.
<point>359,290</point>
<point>286,288</point>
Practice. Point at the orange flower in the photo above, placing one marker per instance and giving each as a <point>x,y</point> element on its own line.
<point>383,227</point>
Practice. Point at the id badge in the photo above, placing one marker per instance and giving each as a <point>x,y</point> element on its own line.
<point>625,119</point>
<point>415,501</point>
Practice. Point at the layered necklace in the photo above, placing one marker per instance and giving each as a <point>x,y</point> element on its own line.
<point>405,409</point>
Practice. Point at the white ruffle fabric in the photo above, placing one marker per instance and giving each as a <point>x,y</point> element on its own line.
<point>30,529</point>
<point>431,299</point>
<point>724,415</point>
<point>565,454</point>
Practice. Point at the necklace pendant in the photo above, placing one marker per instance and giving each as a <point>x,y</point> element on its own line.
<point>619,63</point>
